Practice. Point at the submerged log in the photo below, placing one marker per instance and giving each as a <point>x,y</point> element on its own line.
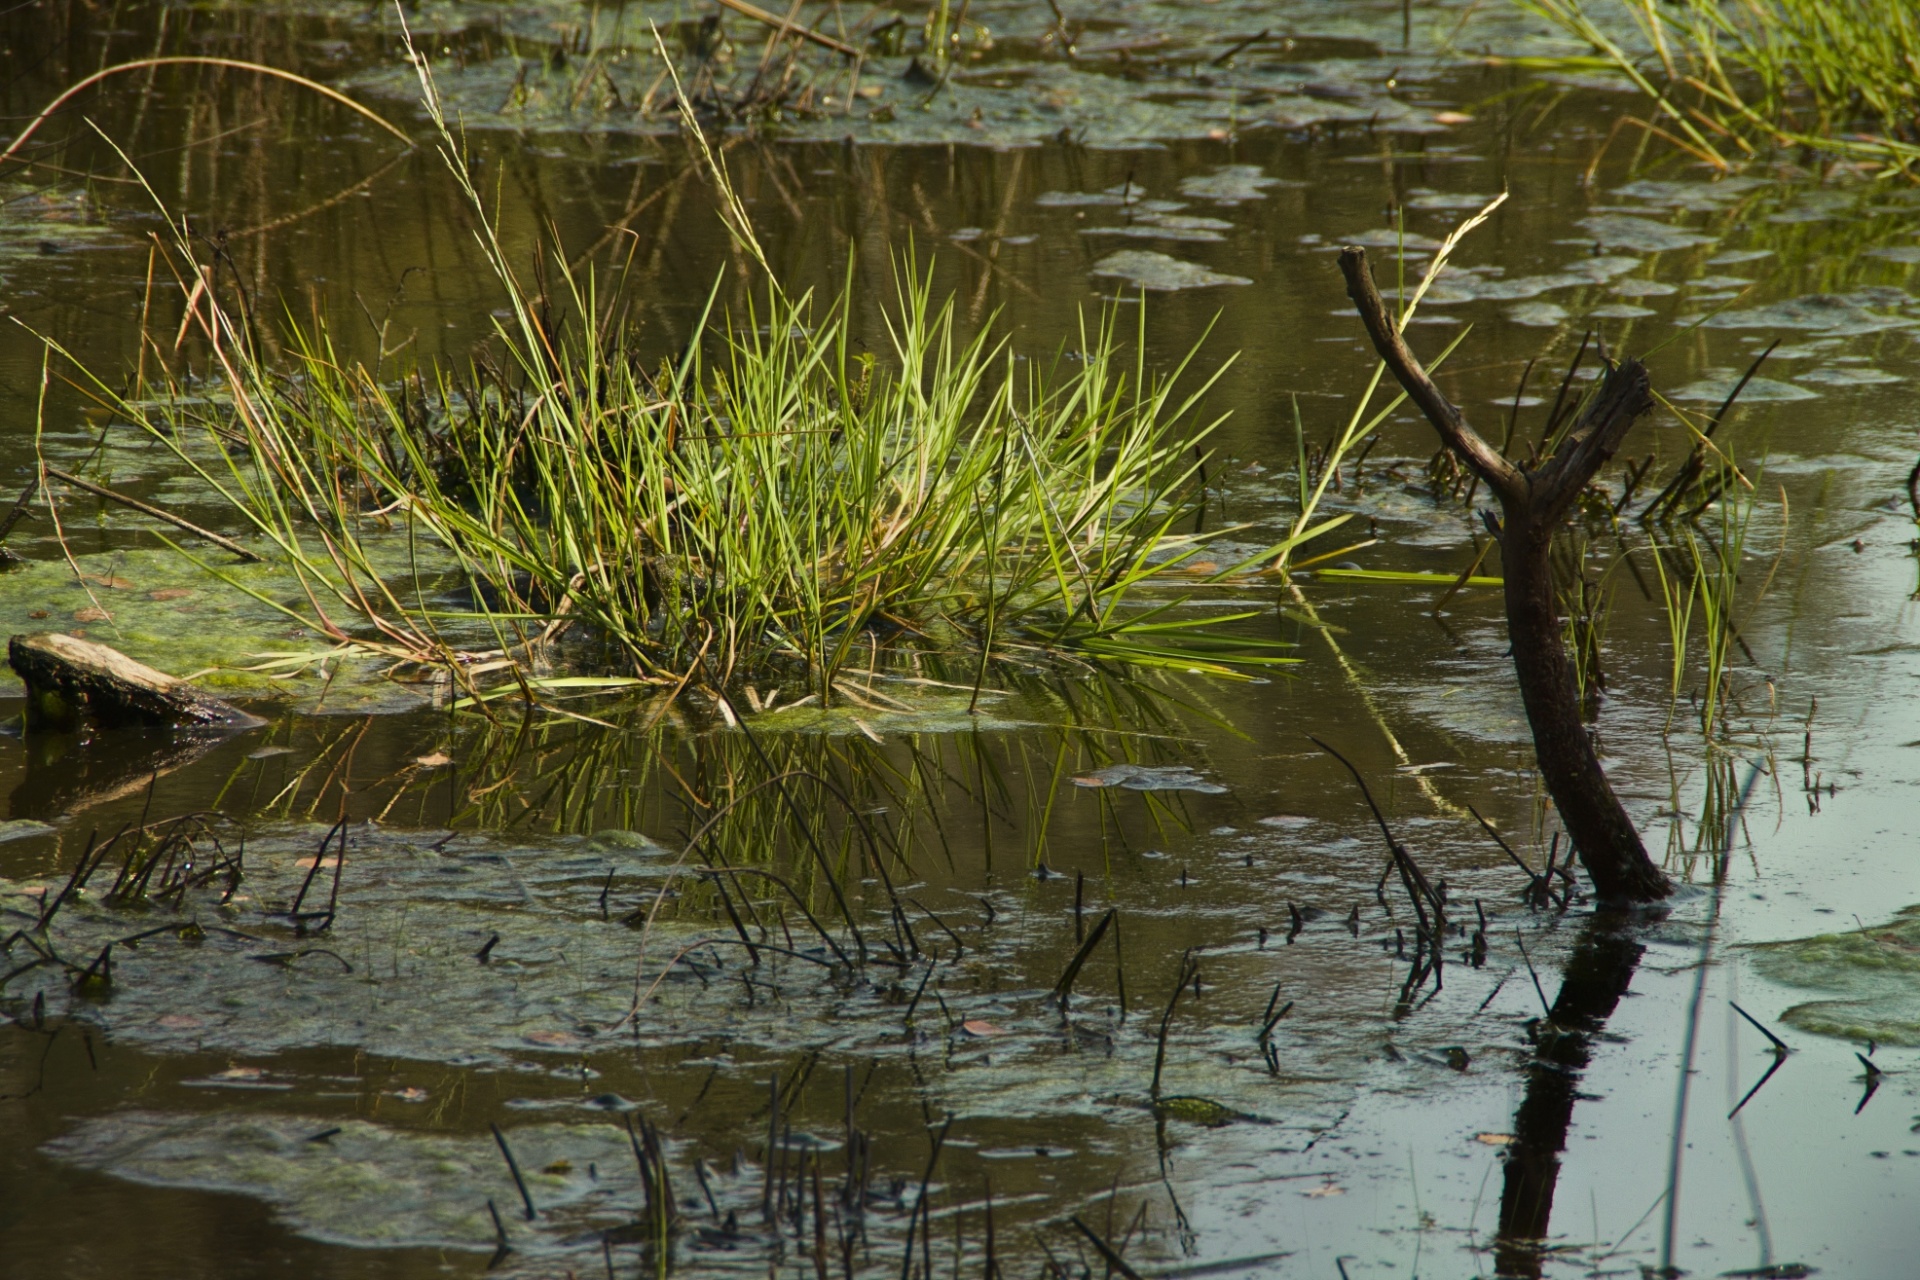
<point>68,678</point>
<point>1533,503</point>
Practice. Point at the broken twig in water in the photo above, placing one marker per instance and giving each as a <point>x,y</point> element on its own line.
<point>158,513</point>
<point>1063,989</point>
<point>785,26</point>
<point>1779,1045</point>
<point>1187,970</point>
<point>1107,1252</point>
<point>1419,892</point>
<point>1538,884</point>
<point>513,1167</point>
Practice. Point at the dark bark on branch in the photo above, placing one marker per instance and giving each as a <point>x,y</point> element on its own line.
<point>1533,502</point>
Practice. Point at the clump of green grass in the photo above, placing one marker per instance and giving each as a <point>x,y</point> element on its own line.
<point>774,504</point>
<point>1838,76</point>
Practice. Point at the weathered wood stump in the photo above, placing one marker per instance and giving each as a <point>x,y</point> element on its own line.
<point>68,679</point>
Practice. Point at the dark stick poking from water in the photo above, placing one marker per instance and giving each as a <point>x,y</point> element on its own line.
<point>1780,1049</point>
<point>1419,891</point>
<point>1063,989</point>
<point>1188,968</point>
<point>319,860</point>
<point>1686,481</point>
<point>500,1246</point>
<point>1545,1008</point>
<point>993,1257</point>
<point>1872,1076</point>
<point>773,1148</point>
<point>1079,906</point>
<point>1538,886</point>
<point>1268,1021</point>
<point>513,1167</point>
<point>1534,501</point>
<point>1108,1254</point>
<point>919,1217</point>
<point>82,869</point>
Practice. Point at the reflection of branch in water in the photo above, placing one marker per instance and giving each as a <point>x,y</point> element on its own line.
<point>339,197</point>
<point>1597,976</point>
<point>67,773</point>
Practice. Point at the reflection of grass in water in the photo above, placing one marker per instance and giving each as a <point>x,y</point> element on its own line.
<point>1812,73</point>
<point>668,778</point>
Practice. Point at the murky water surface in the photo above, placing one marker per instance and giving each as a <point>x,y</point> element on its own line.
<point>289,1060</point>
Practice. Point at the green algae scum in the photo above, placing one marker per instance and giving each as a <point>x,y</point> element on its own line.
<point>865,672</point>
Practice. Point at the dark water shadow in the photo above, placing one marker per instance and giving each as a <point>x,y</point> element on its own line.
<point>1597,975</point>
<point>68,772</point>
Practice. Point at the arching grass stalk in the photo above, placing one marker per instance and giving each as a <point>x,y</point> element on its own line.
<point>1306,524</point>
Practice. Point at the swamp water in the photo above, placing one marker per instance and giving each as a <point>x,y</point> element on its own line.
<point>290,1061</point>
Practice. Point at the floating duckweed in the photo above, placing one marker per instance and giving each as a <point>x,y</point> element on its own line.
<point>1876,968</point>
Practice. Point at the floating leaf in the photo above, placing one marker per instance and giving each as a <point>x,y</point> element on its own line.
<point>1720,384</point>
<point>555,1039</point>
<point>1848,376</point>
<point>1140,777</point>
<point>1230,184</point>
<point>1875,970</point>
<point>1148,270</point>
<point>1200,1111</point>
<point>1624,231</point>
<point>1539,315</point>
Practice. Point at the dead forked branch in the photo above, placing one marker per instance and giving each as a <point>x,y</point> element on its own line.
<point>1533,502</point>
